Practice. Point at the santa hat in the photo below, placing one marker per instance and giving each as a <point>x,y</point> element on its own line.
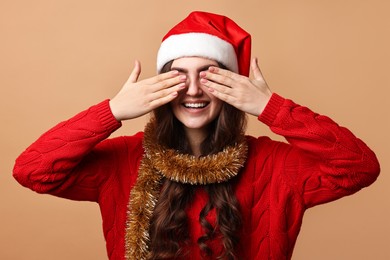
<point>210,36</point>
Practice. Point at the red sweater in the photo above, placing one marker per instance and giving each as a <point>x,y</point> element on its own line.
<point>321,162</point>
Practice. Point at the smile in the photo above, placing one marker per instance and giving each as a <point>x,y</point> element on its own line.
<point>195,105</point>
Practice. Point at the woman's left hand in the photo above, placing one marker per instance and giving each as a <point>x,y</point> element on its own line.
<point>248,95</point>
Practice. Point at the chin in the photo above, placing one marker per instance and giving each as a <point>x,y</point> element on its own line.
<point>195,125</point>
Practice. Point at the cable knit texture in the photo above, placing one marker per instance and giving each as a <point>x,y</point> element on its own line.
<point>321,162</point>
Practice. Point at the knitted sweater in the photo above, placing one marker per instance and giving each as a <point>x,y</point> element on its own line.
<point>321,162</point>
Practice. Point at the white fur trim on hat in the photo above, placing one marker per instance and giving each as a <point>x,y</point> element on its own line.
<point>197,44</point>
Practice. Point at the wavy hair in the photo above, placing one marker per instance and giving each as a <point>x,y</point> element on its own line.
<point>169,227</point>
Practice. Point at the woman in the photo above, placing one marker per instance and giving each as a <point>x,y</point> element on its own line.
<point>192,186</point>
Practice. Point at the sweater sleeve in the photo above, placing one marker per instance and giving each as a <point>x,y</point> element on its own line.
<point>61,161</point>
<point>325,161</point>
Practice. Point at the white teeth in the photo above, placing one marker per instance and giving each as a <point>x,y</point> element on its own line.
<point>195,105</point>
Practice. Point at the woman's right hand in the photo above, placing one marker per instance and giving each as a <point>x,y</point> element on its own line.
<point>137,98</point>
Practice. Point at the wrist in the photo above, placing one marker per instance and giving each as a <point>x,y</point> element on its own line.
<point>115,110</point>
<point>271,109</point>
<point>264,102</point>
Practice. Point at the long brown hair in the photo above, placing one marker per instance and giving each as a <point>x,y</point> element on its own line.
<point>169,228</point>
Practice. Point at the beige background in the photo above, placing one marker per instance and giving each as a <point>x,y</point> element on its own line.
<point>59,57</point>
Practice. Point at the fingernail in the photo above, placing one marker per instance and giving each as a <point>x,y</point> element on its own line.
<point>203,80</point>
<point>202,74</point>
<point>174,72</point>
<point>183,77</point>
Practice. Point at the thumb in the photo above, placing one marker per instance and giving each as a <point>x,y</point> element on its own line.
<point>256,70</point>
<point>135,72</point>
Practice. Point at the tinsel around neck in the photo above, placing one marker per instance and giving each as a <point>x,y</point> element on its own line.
<point>158,163</point>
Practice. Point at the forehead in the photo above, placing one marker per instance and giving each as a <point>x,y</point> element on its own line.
<point>193,62</point>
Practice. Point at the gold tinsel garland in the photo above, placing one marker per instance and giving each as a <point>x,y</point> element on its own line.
<point>159,162</point>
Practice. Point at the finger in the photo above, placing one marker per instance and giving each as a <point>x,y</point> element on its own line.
<point>165,96</point>
<point>222,95</point>
<point>256,69</point>
<point>217,88</point>
<point>161,77</point>
<point>208,77</point>
<point>224,77</point>
<point>223,72</point>
<point>162,101</point>
<point>168,83</point>
<point>135,72</point>
<point>168,91</point>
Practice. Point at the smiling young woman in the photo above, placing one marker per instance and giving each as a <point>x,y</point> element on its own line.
<point>195,107</point>
<point>193,185</point>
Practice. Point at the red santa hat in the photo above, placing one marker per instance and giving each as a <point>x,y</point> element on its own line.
<point>211,36</point>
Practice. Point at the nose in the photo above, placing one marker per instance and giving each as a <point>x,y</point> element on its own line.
<point>194,88</point>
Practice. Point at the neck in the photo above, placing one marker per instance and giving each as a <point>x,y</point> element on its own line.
<point>195,138</point>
